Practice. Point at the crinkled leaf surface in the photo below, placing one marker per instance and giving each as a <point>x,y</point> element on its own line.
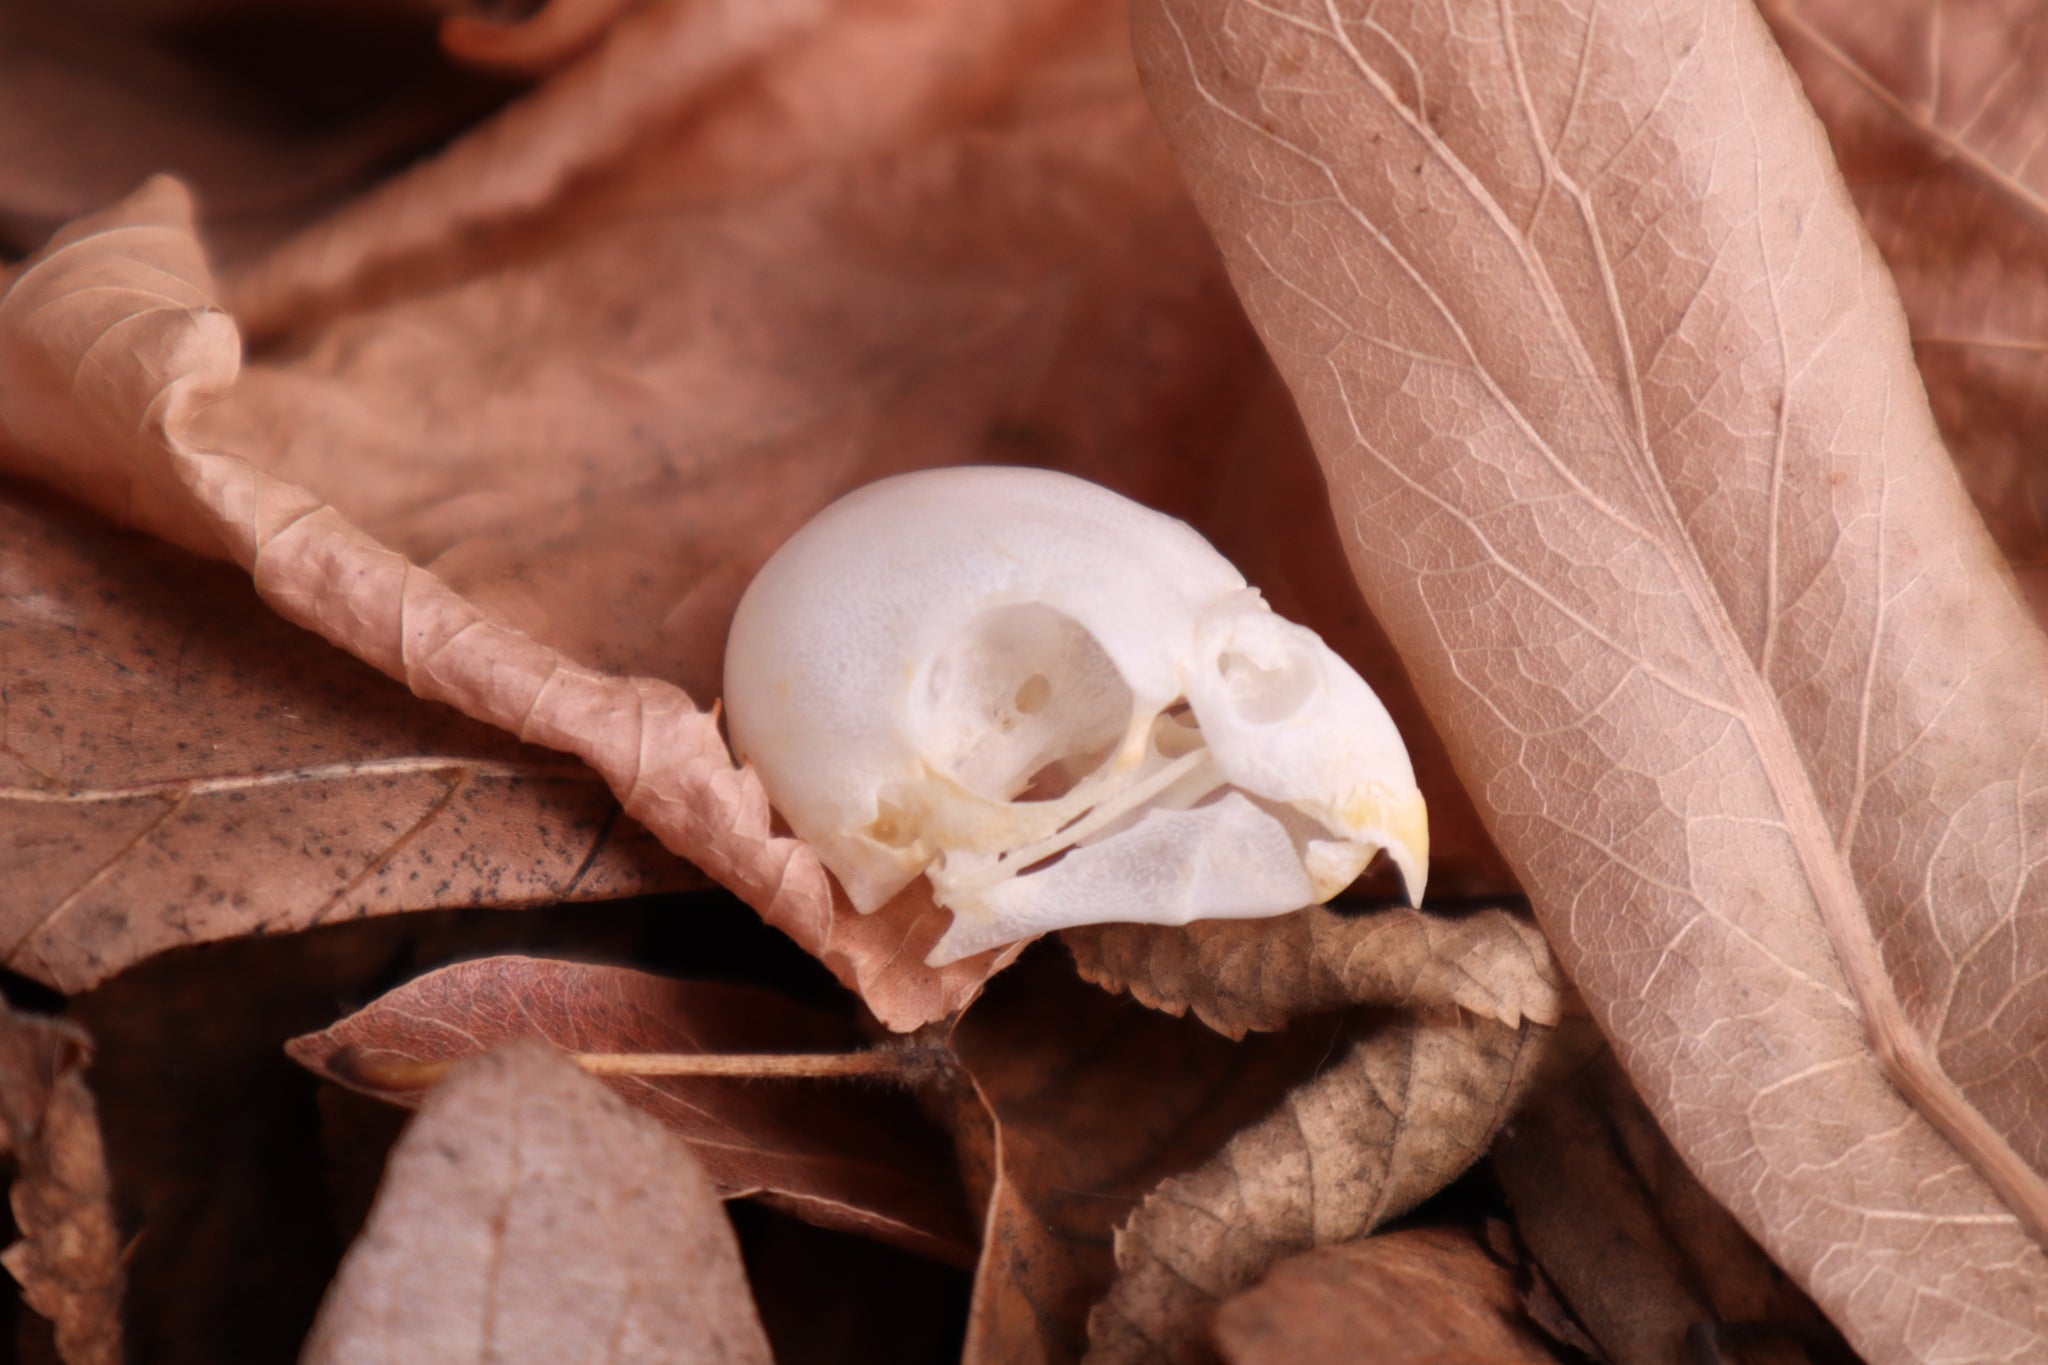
<point>1619,418</point>
<point>1075,1104</point>
<point>1257,974</point>
<point>1428,1296</point>
<point>178,764</point>
<point>528,1214</point>
<point>1936,116</point>
<point>68,1259</point>
<point>841,1156</point>
<point>1397,1116</point>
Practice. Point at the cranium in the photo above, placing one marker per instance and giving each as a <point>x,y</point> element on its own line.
<point>1061,706</point>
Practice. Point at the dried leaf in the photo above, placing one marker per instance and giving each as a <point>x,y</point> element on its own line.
<point>268,121</point>
<point>177,765</point>
<point>1075,1103</point>
<point>535,43</point>
<point>1640,1250</point>
<point>655,61</point>
<point>68,1261</point>
<point>1618,418</point>
<point>835,1155</point>
<point>662,755</point>
<point>1936,116</point>
<point>1429,1296</point>
<point>529,1215</point>
<point>1257,974</point>
<point>1398,1116</point>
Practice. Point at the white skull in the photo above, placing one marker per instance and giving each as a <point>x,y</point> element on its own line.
<point>1063,707</point>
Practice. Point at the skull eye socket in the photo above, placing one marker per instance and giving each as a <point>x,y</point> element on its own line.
<point>1022,702</point>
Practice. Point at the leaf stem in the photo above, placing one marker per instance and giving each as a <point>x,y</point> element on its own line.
<point>875,1062</point>
<point>389,1073</point>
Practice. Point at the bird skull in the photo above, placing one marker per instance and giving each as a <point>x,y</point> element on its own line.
<point>1062,707</point>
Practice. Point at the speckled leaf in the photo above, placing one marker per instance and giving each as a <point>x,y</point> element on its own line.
<point>179,764</point>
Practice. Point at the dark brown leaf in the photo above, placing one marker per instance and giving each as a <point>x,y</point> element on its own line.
<point>179,764</point>
<point>68,1261</point>
<point>529,1215</point>
<point>271,115</point>
<point>1392,1120</point>
<point>843,1156</point>
<point>1639,1249</point>
<point>1431,1296</point>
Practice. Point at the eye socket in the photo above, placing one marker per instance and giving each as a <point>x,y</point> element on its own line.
<point>1266,691</point>
<point>1020,703</point>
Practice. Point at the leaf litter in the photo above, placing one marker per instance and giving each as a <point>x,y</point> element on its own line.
<point>515,424</point>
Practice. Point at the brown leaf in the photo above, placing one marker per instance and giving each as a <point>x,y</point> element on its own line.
<point>1429,1296</point>
<point>1074,1104</point>
<point>1257,974</point>
<point>839,1156</point>
<point>1618,418</point>
<point>68,1261</point>
<point>268,117</point>
<point>1641,1251</point>
<point>656,60</point>
<point>178,764</point>
<point>529,1215</point>
<point>1398,1116</point>
<point>1936,116</point>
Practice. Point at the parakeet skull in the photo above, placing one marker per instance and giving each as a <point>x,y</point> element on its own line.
<point>1062,707</point>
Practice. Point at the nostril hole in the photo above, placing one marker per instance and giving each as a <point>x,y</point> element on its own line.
<point>1032,694</point>
<point>1266,692</point>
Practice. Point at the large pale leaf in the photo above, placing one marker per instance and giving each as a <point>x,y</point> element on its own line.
<point>1937,115</point>
<point>1618,414</point>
